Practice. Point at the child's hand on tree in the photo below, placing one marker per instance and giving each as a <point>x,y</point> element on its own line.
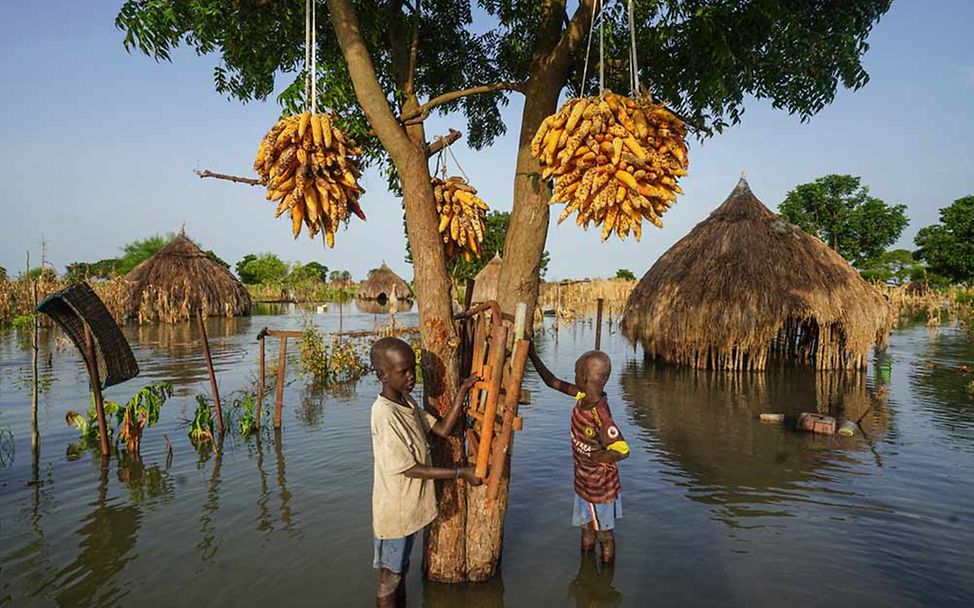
<point>469,475</point>
<point>469,382</point>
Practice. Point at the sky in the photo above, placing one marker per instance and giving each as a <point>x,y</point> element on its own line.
<point>99,148</point>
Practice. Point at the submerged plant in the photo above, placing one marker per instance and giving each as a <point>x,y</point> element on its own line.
<point>246,414</point>
<point>330,362</point>
<point>141,411</point>
<point>87,424</point>
<point>201,428</point>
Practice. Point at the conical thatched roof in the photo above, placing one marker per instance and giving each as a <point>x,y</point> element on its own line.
<point>746,285</point>
<point>179,279</point>
<point>384,284</point>
<point>485,283</point>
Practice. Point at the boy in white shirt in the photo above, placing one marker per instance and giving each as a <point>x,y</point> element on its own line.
<point>403,494</point>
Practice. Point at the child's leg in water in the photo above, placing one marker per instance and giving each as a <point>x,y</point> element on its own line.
<point>608,545</point>
<point>588,537</point>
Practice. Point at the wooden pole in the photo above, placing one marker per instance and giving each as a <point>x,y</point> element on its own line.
<point>209,368</point>
<point>91,362</point>
<point>260,379</point>
<point>498,352</point>
<point>35,436</point>
<point>341,298</point>
<point>598,323</point>
<point>279,401</point>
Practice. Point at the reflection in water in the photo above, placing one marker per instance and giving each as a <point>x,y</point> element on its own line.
<point>705,423</point>
<point>176,351</point>
<point>283,492</point>
<point>209,542</point>
<point>592,586</point>
<point>946,388</point>
<point>263,512</point>
<point>374,307</point>
<point>488,594</point>
<point>145,484</point>
<point>108,536</point>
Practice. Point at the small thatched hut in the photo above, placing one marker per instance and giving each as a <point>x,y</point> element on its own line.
<point>485,283</point>
<point>177,281</point>
<point>384,285</point>
<point>745,287</point>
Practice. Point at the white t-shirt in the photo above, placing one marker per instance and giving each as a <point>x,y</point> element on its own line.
<point>400,505</point>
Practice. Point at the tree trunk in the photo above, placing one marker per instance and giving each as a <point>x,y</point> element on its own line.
<point>525,241</point>
<point>445,546</point>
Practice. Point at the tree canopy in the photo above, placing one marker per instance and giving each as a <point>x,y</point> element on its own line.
<point>261,268</point>
<point>948,246</point>
<point>897,266</point>
<point>839,210</point>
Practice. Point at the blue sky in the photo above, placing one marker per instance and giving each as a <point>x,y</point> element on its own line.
<point>99,147</point>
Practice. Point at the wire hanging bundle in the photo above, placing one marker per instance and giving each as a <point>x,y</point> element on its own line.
<point>309,166</point>
<point>615,160</point>
<point>462,225</point>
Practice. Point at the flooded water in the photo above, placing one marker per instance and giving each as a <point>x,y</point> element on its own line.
<point>719,509</point>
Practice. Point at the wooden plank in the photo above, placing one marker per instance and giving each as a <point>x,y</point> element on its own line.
<point>279,402</point>
<point>284,333</point>
<point>260,381</point>
<point>497,354</point>
<point>499,457</point>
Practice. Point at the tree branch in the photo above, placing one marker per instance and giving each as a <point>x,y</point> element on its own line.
<point>423,111</point>
<point>369,92</point>
<point>442,142</point>
<point>233,178</point>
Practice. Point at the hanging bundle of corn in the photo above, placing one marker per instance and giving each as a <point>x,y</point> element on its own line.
<point>311,169</point>
<point>461,214</point>
<point>615,161</point>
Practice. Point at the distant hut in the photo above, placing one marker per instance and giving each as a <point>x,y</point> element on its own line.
<point>179,280</point>
<point>745,287</point>
<point>384,285</point>
<point>485,283</point>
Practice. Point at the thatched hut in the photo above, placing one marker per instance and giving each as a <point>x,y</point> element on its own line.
<point>745,287</point>
<point>179,280</point>
<point>384,285</point>
<point>485,283</point>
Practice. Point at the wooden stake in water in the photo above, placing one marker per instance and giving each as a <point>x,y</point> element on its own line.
<point>91,362</point>
<point>598,323</point>
<point>209,368</point>
<point>35,437</point>
<point>279,402</point>
<point>260,379</point>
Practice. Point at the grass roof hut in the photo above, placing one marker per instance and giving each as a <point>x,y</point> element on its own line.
<point>179,280</point>
<point>485,283</point>
<point>384,285</point>
<point>745,287</point>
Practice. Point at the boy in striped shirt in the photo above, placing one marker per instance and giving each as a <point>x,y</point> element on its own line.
<point>597,445</point>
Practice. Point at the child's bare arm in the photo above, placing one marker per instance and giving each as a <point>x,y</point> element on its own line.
<point>444,426</point>
<point>424,472</point>
<point>548,378</point>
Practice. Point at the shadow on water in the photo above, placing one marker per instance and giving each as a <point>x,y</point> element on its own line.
<point>944,380</point>
<point>488,594</point>
<point>108,537</point>
<point>592,586</point>
<point>705,424</point>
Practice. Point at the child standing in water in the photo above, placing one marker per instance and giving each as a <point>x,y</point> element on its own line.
<point>403,496</point>
<point>597,445</point>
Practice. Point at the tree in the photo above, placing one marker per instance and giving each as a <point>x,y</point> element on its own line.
<point>264,268</point>
<point>840,211</point>
<point>948,247</point>
<point>140,250</point>
<point>317,270</point>
<point>497,224</point>
<point>897,266</point>
<point>625,275</point>
<point>241,267</point>
<point>312,271</point>
<point>386,70</point>
<point>340,275</point>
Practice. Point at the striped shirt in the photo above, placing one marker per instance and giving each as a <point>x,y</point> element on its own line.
<point>594,429</point>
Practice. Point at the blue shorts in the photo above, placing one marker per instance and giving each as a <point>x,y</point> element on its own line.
<point>602,514</point>
<point>393,553</point>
